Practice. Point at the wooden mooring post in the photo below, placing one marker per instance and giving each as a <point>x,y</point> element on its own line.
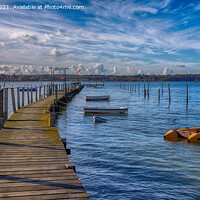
<point>28,99</point>
<point>186,94</point>
<point>148,91</point>
<point>22,96</point>
<point>40,92</point>
<point>56,90</point>
<point>13,99</point>
<point>44,91</point>
<point>6,104</point>
<point>158,95</point>
<point>31,94</point>
<point>1,103</point>
<point>18,98</point>
<point>169,93</point>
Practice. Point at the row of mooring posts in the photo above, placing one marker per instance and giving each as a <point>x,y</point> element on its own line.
<point>133,87</point>
<point>18,94</point>
<point>61,103</point>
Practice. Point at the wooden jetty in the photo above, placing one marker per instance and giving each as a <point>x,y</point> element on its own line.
<point>33,158</point>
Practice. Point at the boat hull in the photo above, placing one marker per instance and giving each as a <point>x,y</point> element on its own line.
<point>99,120</point>
<point>102,110</point>
<point>97,98</point>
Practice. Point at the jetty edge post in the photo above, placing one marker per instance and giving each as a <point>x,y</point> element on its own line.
<point>1,108</point>
<point>1,103</point>
<point>13,99</point>
<point>28,99</point>
<point>36,94</point>
<point>18,98</point>
<point>56,92</point>
<point>39,92</point>
<point>169,92</point>
<point>186,95</point>
<point>162,88</point>
<point>6,104</point>
<point>44,91</point>
<point>31,94</point>
<point>22,96</point>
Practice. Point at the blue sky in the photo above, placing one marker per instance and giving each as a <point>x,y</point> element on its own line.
<point>151,37</point>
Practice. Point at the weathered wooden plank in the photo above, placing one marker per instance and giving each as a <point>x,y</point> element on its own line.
<point>48,174</point>
<point>69,195</point>
<point>39,172</point>
<point>41,180</point>
<point>33,187</point>
<point>42,192</point>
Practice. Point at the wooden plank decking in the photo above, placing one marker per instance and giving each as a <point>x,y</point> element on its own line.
<point>33,158</point>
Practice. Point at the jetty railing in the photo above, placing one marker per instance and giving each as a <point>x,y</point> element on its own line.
<point>19,97</point>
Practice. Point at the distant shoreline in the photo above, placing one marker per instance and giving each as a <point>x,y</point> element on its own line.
<point>102,78</point>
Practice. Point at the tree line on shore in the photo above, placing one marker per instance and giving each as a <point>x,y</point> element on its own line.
<point>101,78</point>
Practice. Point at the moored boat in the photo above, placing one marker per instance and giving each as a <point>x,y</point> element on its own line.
<point>99,119</point>
<point>102,110</point>
<point>98,98</point>
<point>184,133</point>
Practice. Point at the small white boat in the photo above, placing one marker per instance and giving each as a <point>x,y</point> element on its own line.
<point>99,119</point>
<point>102,110</point>
<point>98,98</point>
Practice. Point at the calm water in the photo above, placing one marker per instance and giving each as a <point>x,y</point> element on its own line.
<point>127,157</point>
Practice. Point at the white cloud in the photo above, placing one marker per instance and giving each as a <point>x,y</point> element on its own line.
<point>167,71</point>
<point>115,70</point>
<point>140,71</point>
<point>22,36</point>
<point>98,69</point>
<point>56,53</point>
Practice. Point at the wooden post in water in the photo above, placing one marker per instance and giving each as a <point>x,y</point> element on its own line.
<point>148,91</point>
<point>13,99</point>
<point>158,95</point>
<point>28,99</point>
<point>144,92</point>
<point>18,98</point>
<point>135,88</point>
<point>162,88</point>
<point>169,92</point>
<point>187,95</point>
<point>22,96</point>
